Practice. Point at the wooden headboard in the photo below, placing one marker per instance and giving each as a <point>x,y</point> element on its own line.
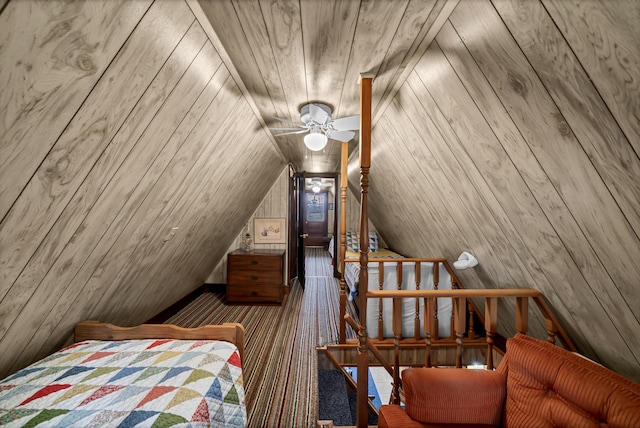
<point>95,330</point>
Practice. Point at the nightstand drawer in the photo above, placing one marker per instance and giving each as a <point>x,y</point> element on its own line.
<point>254,277</point>
<point>255,262</point>
<point>254,294</point>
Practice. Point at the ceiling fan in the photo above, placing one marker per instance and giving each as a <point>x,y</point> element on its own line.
<point>318,123</point>
<point>317,184</point>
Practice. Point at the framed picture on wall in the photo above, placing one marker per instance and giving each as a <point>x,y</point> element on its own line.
<point>270,230</point>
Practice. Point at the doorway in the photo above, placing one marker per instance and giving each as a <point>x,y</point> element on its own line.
<point>320,215</point>
<point>313,209</point>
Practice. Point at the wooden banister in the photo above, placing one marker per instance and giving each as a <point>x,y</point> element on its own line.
<point>366,92</point>
<point>380,312</point>
<point>370,345</point>
<point>460,298</point>
<point>343,236</point>
<point>402,260</point>
<point>554,328</point>
<point>491,326</point>
<point>464,293</point>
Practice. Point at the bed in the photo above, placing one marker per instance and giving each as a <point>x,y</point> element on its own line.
<point>155,375</point>
<point>352,268</point>
<point>380,323</point>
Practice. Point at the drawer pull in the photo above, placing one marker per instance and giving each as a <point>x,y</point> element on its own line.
<point>254,262</point>
<point>254,293</point>
<point>253,277</point>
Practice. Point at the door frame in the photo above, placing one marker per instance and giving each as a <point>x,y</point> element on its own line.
<point>295,216</point>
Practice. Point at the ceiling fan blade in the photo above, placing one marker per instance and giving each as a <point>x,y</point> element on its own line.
<point>348,123</point>
<point>341,135</point>
<point>318,114</point>
<point>299,125</point>
<point>283,129</point>
<point>294,132</point>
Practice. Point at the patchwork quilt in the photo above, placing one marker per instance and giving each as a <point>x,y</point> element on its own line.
<point>136,383</point>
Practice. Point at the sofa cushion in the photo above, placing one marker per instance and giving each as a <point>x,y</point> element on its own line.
<point>393,416</point>
<point>454,396</point>
<point>549,386</point>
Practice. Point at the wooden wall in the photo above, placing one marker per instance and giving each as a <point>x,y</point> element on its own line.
<point>129,162</point>
<point>274,204</point>
<point>516,137</point>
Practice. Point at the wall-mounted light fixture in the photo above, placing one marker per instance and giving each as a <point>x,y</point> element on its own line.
<point>466,260</point>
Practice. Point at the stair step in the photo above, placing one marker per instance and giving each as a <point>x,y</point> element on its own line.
<point>333,401</point>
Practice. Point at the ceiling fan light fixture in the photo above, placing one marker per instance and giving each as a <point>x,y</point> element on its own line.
<point>315,141</point>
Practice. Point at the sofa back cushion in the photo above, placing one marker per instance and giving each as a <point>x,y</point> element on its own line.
<point>454,396</point>
<point>549,386</point>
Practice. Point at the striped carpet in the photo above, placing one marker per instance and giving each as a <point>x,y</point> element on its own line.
<point>280,366</point>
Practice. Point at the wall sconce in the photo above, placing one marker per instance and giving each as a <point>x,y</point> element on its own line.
<point>466,260</point>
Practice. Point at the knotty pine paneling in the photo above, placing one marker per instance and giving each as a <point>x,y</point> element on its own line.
<point>52,56</point>
<point>506,140</point>
<point>599,223</point>
<point>290,53</point>
<point>121,179</point>
<point>274,204</point>
<point>604,37</point>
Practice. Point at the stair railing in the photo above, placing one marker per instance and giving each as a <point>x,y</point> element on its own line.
<point>460,298</point>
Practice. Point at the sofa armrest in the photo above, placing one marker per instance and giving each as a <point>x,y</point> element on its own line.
<point>454,396</point>
<point>393,416</point>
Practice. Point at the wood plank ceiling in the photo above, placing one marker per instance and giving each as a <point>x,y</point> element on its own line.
<point>292,52</point>
<point>508,128</point>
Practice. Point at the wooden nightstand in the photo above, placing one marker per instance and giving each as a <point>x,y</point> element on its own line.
<point>255,277</point>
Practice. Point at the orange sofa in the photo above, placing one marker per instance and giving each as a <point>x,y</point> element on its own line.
<point>536,384</point>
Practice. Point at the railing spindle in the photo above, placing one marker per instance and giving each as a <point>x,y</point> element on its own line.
<point>436,281</point>
<point>416,324</point>
<point>430,325</point>
<point>380,287</point>
<point>522,314</point>
<point>459,312</point>
<point>557,329</point>
<point>471,332</point>
<point>551,330</point>
<point>343,237</point>
<point>397,334</point>
<point>490,325</point>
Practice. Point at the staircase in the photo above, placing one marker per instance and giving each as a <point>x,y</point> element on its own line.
<point>333,398</point>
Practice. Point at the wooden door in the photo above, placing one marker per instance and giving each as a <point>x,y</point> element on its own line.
<point>315,220</point>
<point>301,236</point>
<point>293,231</point>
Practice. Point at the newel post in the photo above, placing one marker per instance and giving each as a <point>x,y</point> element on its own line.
<point>366,84</point>
<point>343,238</point>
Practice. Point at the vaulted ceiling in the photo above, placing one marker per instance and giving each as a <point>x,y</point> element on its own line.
<point>289,53</point>
<point>508,128</point>
<point>135,146</point>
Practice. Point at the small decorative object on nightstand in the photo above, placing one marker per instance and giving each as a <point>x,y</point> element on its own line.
<point>256,276</point>
<point>246,242</point>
